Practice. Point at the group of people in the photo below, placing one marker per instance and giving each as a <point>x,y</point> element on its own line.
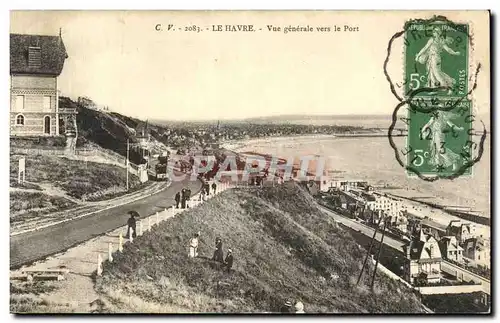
<point>205,190</point>
<point>182,198</point>
<point>218,252</point>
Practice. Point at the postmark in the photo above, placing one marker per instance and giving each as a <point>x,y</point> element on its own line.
<point>444,136</point>
<point>440,142</point>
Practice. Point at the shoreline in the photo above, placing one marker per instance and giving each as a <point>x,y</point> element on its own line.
<point>444,216</point>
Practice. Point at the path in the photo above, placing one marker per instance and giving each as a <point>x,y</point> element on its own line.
<point>77,290</point>
<point>35,245</point>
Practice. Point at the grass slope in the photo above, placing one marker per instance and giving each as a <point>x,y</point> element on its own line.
<point>76,178</point>
<point>284,248</point>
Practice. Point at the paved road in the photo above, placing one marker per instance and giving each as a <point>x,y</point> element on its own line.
<point>366,230</point>
<point>398,245</point>
<point>36,245</point>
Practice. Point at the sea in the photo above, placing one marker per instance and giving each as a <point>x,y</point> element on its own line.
<point>373,159</point>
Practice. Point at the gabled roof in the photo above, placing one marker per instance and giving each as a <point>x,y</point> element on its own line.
<point>53,54</point>
<point>451,243</point>
<point>421,244</point>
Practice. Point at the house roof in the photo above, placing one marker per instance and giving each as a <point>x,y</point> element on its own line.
<point>419,245</point>
<point>52,50</point>
<point>433,224</point>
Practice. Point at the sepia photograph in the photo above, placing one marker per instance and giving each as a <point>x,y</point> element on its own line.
<point>250,162</point>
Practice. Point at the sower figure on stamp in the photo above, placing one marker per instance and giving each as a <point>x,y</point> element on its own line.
<point>434,129</point>
<point>218,253</point>
<point>131,224</point>
<point>177,199</point>
<point>430,55</point>
<point>193,246</point>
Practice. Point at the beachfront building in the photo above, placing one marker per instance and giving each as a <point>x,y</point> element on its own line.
<point>36,61</point>
<point>461,230</point>
<point>391,206</point>
<point>423,260</point>
<point>477,252</point>
<point>450,249</point>
<point>433,228</point>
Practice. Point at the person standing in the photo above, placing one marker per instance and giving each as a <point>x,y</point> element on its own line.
<point>287,307</point>
<point>299,308</point>
<point>177,199</point>
<point>131,224</point>
<point>228,262</point>
<point>193,246</point>
<point>214,188</point>
<point>218,253</point>
<point>188,196</point>
<point>183,198</point>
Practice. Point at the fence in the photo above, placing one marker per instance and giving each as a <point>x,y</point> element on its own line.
<point>152,221</point>
<point>461,289</point>
<point>86,154</point>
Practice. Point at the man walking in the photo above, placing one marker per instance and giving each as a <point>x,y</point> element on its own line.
<point>177,199</point>
<point>214,188</point>
<point>218,253</point>
<point>183,198</point>
<point>131,224</point>
<point>187,194</point>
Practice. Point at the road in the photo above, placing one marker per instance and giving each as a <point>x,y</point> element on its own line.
<point>398,245</point>
<point>32,246</point>
<point>366,230</point>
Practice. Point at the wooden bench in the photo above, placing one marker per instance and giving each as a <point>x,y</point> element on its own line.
<point>45,274</point>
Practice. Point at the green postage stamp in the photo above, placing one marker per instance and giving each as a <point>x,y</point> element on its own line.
<point>436,87</point>
<point>436,59</point>
<point>440,142</point>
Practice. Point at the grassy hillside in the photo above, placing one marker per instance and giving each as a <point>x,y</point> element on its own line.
<point>56,183</point>
<point>284,248</point>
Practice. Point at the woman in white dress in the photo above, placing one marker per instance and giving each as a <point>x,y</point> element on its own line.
<point>193,246</point>
<point>430,55</point>
<point>434,130</point>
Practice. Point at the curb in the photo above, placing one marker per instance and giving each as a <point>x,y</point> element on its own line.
<point>87,214</point>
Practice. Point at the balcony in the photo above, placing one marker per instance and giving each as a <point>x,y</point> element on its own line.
<point>433,274</point>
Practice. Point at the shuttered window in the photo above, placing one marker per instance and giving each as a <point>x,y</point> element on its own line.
<point>34,57</point>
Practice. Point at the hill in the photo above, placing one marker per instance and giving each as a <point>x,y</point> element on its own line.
<point>284,248</point>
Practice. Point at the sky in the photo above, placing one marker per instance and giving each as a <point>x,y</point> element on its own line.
<point>118,59</point>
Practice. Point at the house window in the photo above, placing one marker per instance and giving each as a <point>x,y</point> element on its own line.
<point>46,103</point>
<point>34,57</point>
<point>46,125</point>
<point>20,120</point>
<point>20,102</point>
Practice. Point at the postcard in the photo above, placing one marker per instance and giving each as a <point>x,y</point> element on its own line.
<point>250,162</point>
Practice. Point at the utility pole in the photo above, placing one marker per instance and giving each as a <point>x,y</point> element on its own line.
<point>369,250</point>
<point>128,149</point>
<point>387,219</point>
